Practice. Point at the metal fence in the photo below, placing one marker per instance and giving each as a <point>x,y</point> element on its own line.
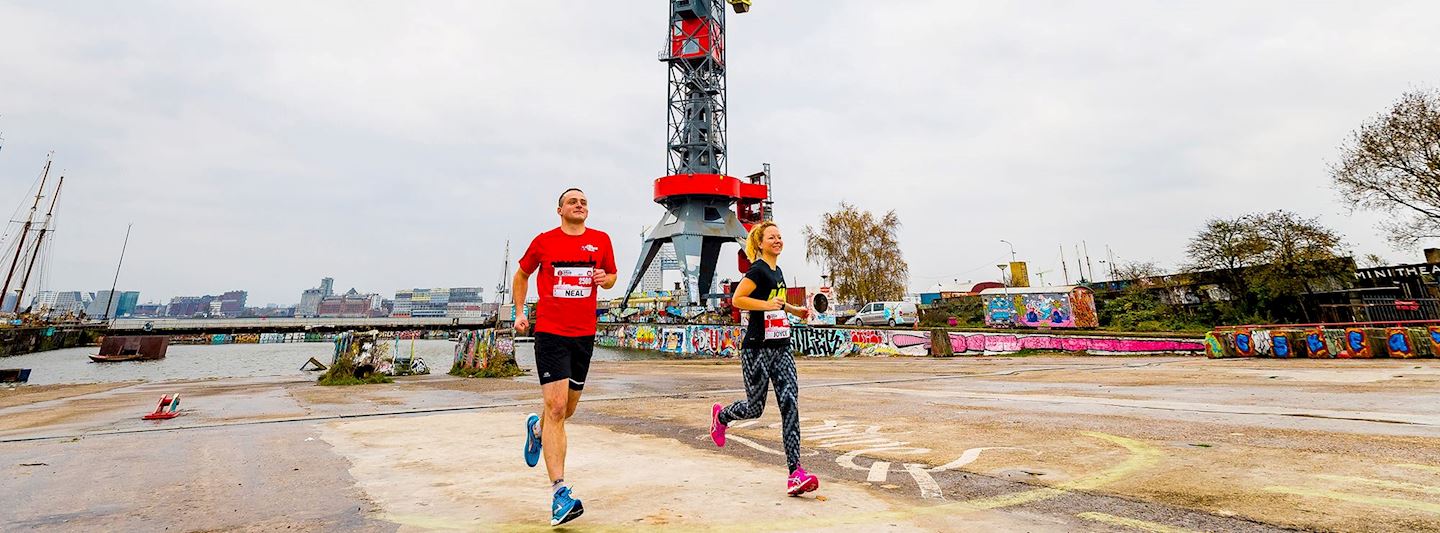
<point>1379,309</point>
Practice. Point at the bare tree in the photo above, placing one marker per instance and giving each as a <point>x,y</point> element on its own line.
<point>1224,246</point>
<point>1392,164</point>
<point>861,253</point>
<point>1144,272</point>
<point>1373,261</point>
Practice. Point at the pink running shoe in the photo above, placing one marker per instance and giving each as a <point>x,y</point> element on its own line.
<point>801,482</point>
<point>717,430</point>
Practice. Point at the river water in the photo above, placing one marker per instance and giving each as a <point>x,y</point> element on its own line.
<point>241,360</point>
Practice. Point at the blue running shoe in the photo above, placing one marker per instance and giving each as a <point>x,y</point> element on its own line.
<point>532,442</point>
<point>565,508</point>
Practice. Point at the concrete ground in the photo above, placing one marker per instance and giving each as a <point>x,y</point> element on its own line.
<point>967,444</point>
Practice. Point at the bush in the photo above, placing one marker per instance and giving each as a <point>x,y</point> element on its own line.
<point>968,311</point>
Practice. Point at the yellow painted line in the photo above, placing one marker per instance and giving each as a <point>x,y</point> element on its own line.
<point>1141,456</point>
<point>1394,503</point>
<point>1133,523</point>
<point>1383,483</point>
<point>1435,469</point>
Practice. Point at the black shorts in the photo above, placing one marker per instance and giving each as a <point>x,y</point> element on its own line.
<point>558,357</point>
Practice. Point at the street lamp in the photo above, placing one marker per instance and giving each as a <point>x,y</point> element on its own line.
<point>1012,250</point>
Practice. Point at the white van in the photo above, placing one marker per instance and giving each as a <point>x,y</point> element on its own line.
<point>887,314</point>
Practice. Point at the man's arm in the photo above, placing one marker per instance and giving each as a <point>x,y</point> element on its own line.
<point>518,288</point>
<point>608,273</point>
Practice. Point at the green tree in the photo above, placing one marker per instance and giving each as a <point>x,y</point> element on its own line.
<point>1296,256</point>
<point>861,254</point>
<point>1268,262</point>
<point>1392,164</point>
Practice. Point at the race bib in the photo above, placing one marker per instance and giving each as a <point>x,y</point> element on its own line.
<point>574,282</point>
<point>777,326</point>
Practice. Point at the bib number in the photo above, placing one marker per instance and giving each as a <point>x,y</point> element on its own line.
<point>574,282</point>
<point>777,326</point>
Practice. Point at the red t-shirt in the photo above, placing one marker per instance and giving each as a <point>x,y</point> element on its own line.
<point>566,285</point>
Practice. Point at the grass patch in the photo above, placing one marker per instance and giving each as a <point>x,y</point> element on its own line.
<point>347,380</point>
<point>508,369</point>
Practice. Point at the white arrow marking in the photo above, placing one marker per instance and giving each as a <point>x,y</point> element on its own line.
<point>879,472</point>
<point>929,489</point>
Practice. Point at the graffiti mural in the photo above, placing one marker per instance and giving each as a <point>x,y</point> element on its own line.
<point>725,341</point>
<point>819,341</point>
<point>672,340</point>
<point>1281,344</point>
<point>997,343</point>
<point>1214,346</point>
<point>1244,344</point>
<point>646,338</point>
<point>1082,302</point>
<point>1356,344</point>
<point>999,311</point>
<point>715,340</point>
<point>1326,343</point>
<point>1398,343</point>
<point>1262,341</point>
<point>1055,307</point>
<point>1050,310</point>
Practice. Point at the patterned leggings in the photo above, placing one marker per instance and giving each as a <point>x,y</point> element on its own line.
<point>760,366</point>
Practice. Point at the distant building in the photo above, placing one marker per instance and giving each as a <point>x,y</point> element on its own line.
<point>438,302</point>
<point>56,303</point>
<point>149,310</point>
<point>351,305</point>
<point>310,299</point>
<point>309,303</point>
<point>119,304</point>
<point>232,304</point>
<point>189,306</point>
<point>663,266</point>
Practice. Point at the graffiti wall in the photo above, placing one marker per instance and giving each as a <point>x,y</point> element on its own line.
<point>725,341</point>
<point>1064,307</point>
<point>252,338</point>
<point>998,343</point>
<point>1325,343</point>
<point>872,342</point>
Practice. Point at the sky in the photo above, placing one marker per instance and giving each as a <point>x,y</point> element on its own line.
<point>263,145</point>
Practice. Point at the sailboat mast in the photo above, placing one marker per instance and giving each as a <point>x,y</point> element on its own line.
<point>111,299</point>
<point>40,240</point>
<point>29,221</point>
<point>501,289</point>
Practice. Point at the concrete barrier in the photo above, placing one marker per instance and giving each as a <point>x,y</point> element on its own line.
<point>1322,342</point>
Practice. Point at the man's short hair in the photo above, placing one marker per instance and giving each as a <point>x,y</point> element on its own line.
<point>561,201</point>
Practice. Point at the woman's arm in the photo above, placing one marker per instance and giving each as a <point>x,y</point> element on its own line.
<point>743,300</point>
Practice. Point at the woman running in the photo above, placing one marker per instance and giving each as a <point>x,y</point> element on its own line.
<point>765,353</point>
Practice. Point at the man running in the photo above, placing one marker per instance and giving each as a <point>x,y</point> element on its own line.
<point>573,260</point>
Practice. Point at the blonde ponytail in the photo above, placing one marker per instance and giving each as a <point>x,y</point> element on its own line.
<point>753,241</point>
